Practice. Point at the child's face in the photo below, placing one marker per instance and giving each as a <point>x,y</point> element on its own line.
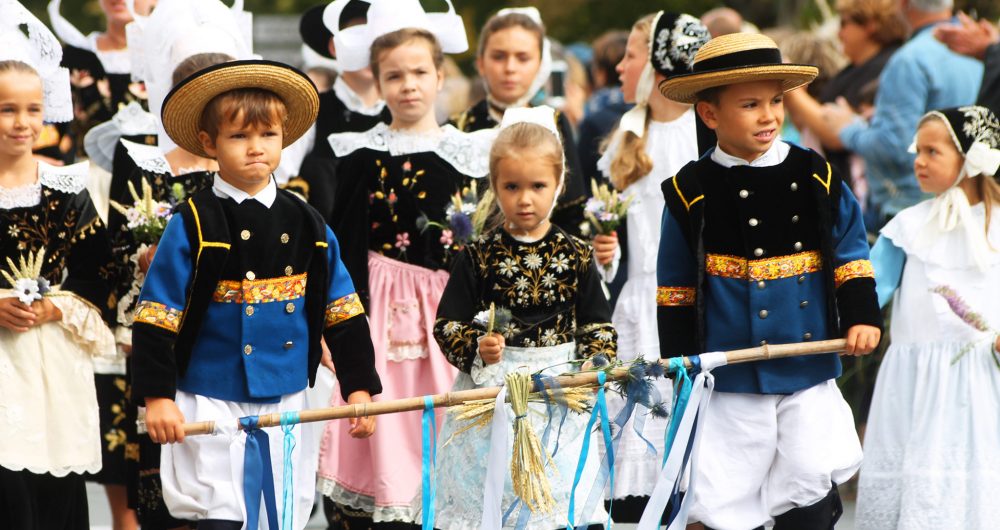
<point>747,118</point>
<point>631,66</point>
<point>526,189</point>
<point>510,63</point>
<point>938,161</point>
<point>409,82</point>
<point>20,112</point>
<point>247,154</point>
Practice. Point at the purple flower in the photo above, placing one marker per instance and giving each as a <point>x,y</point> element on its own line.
<point>961,308</point>
<point>461,226</point>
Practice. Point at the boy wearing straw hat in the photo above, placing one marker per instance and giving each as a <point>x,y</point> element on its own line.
<point>762,242</point>
<point>246,283</point>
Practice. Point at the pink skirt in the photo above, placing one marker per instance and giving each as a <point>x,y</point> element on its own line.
<point>381,474</point>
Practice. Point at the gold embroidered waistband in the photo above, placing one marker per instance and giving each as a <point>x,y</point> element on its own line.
<point>674,296</point>
<point>343,308</point>
<point>260,291</point>
<point>763,269</point>
<point>860,268</point>
<point>158,315</point>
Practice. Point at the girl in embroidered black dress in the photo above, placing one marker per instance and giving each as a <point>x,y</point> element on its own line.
<point>549,281</point>
<point>51,323</point>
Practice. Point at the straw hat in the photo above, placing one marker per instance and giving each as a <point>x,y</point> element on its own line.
<point>184,105</point>
<point>736,58</point>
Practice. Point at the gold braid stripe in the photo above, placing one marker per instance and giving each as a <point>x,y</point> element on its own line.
<point>159,315</point>
<point>260,291</point>
<point>860,268</point>
<point>343,309</point>
<point>763,269</point>
<point>674,296</point>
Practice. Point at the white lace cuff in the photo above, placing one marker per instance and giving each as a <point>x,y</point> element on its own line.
<point>483,373</point>
<point>83,322</point>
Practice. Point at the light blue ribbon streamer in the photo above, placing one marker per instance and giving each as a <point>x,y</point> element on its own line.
<point>288,422</point>
<point>258,478</point>
<point>429,487</point>
<point>600,410</point>
<point>682,393</point>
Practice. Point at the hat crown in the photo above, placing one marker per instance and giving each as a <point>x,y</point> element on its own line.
<point>733,43</point>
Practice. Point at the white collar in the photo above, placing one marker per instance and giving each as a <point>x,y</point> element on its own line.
<point>775,155</point>
<point>223,189</point>
<point>353,101</point>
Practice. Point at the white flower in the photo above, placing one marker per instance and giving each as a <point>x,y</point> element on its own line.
<point>533,261</point>
<point>521,283</point>
<point>549,338</point>
<point>560,263</point>
<point>604,335</point>
<point>482,318</point>
<point>451,328</point>
<point>549,280</point>
<point>508,267</point>
<point>27,290</point>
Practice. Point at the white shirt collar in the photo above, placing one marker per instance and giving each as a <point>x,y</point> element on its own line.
<point>775,155</point>
<point>223,189</point>
<point>353,101</point>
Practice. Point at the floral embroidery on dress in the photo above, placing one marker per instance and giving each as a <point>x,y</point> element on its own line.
<point>343,308</point>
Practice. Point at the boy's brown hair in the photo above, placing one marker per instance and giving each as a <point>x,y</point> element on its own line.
<point>252,106</point>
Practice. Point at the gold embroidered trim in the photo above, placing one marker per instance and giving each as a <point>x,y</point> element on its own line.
<point>825,183</point>
<point>260,291</point>
<point>343,308</point>
<point>674,296</point>
<point>860,268</point>
<point>159,315</point>
<point>681,195</point>
<point>763,269</point>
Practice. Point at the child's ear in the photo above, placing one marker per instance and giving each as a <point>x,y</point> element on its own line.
<point>440,74</point>
<point>708,113</point>
<point>207,143</point>
<point>479,66</point>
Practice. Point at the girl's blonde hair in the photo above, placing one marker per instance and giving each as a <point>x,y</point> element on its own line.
<point>17,66</point>
<point>521,140</point>
<point>989,189</point>
<point>631,162</point>
<point>391,41</point>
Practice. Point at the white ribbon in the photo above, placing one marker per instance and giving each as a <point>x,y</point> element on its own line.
<point>496,465</point>
<point>65,29</point>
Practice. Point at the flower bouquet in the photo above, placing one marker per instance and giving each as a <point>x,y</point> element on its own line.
<point>26,279</point>
<point>606,209</point>
<point>962,310</point>
<point>147,218</point>
<point>464,219</point>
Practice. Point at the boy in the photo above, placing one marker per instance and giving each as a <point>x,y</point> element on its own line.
<point>246,282</point>
<point>762,242</point>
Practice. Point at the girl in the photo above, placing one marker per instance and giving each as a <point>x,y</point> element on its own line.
<point>405,176</point>
<point>933,439</point>
<point>515,62</point>
<point>653,142</point>
<point>49,417</point>
<point>548,280</point>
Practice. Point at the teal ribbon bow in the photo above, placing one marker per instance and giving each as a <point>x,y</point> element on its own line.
<point>429,487</point>
<point>288,422</point>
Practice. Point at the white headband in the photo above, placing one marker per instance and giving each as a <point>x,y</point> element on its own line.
<point>41,50</point>
<point>354,44</point>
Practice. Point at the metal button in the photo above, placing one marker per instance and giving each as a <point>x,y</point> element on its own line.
<point>744,194</point>
<point>758,252</point>
<point>797,245</point>
<point>289,270</point>
<point>289,307</point>
<point>284,238</point>
<point>244,235</point>
<point>804,304</point>
<point>288,345</point>
<point>249,310</point>
<point>763,313</point>
<point>248,349</point>
<point>795,186</point>
<point>763,343</point>
<point>761,284</point>
<point>795,218</point>
<point>753,222</point>
<point>807,336</point>
<point>251,276</point>
<point>802,279</point>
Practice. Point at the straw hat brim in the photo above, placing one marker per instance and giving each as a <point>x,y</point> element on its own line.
<point>184,105</point>
<point>685,87</point>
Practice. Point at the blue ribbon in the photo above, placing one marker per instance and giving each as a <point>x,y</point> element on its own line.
<point>288,422</point>
<point>600,410</point>
<point>682,393</point>
<point>258,478</point>
<point>429,493</point>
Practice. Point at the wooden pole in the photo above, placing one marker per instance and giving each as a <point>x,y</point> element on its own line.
<point>579,379</point>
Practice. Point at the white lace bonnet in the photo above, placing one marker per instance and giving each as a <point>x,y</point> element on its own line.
<point>385,16</point>
<point>39,49</point>
<point>545,68</point>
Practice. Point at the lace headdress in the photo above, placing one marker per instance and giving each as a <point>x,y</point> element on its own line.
<point>24,38</point>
